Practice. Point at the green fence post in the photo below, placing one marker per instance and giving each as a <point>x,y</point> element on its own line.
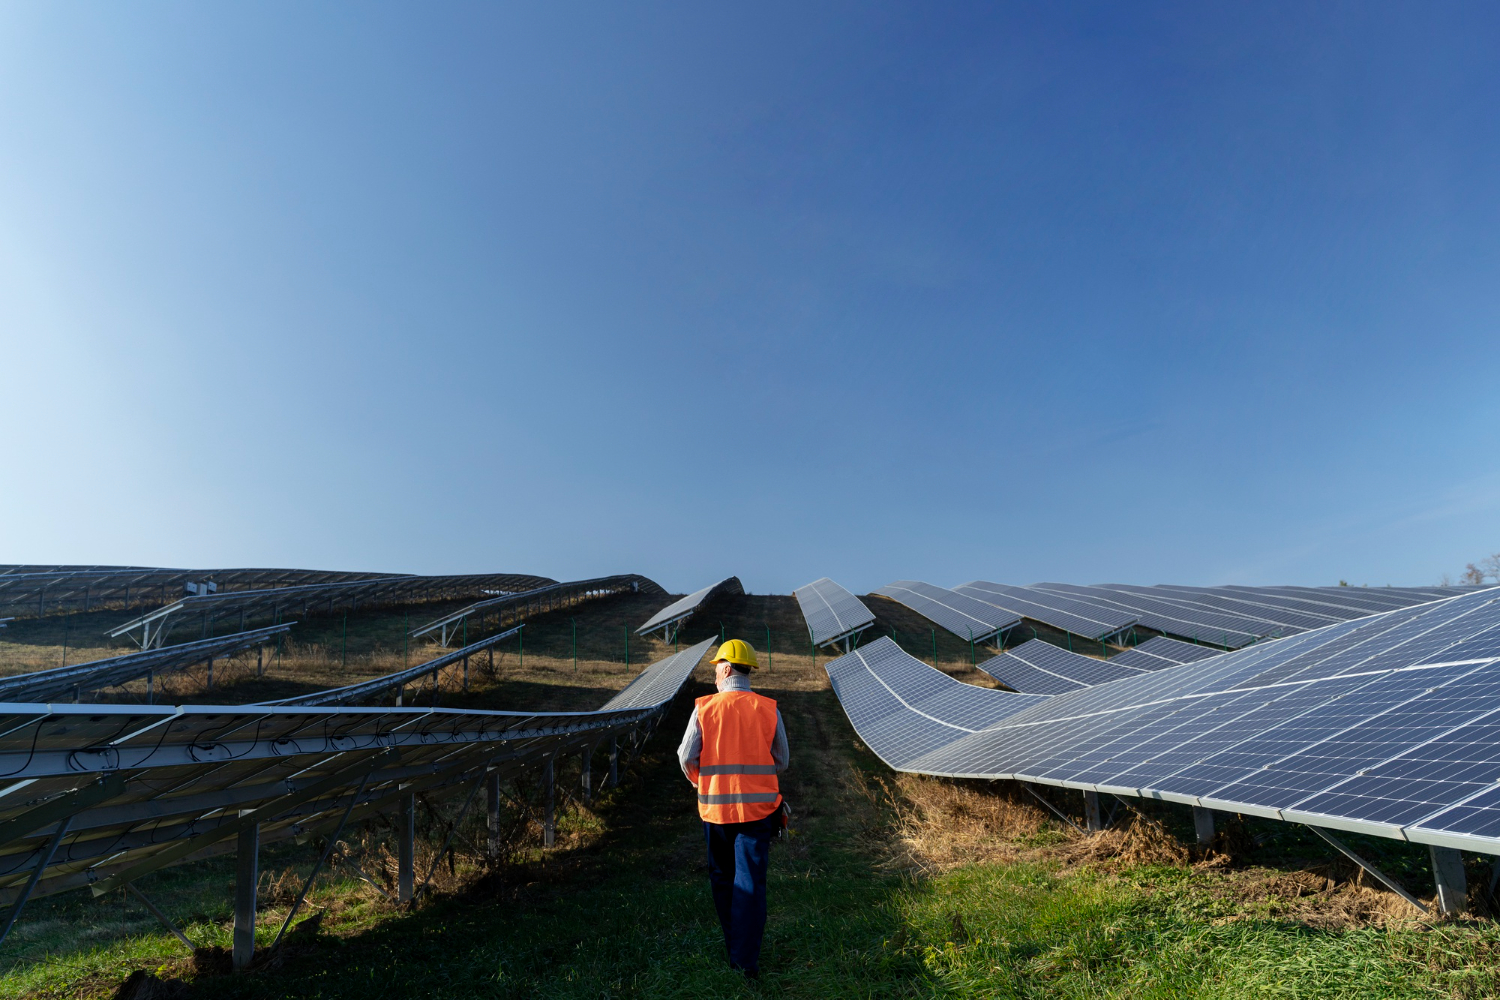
<point>627,646</point>
<point>405,639</point>
<point>768,647</point>
<point>575,644</point>
<point>344,650</point>
<point>521,646</point>
<point>934,648</point>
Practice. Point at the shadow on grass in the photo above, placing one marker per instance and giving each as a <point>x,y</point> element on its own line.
<point>630,914</point>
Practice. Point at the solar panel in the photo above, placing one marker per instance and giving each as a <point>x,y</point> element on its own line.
<point>378,591</point>
<point>661,681</point>
<point>363,691</point>
<point>78,679</point>
<point>511,608</point>
<point>1038,667</point>
<point>1196,624</point>
<point>38,590</point>
<point>671,618</point>
<point>831,612</point>
<point>141,786</point>
<point>901,708</point>
<point>1160,651</point>
<point>1087,620</point>
<point>963,616</point>
<point>1275,617</point>
<point>1369,725</point>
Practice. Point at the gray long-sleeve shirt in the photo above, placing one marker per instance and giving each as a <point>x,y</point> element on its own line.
<point>691,747</point>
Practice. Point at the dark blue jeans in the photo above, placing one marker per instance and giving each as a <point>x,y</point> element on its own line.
<point>737,856</point>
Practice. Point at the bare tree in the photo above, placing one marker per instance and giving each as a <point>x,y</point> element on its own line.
<point>1486,570</point>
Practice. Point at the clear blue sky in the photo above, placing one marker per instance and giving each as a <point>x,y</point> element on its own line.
<point>1190,293</point>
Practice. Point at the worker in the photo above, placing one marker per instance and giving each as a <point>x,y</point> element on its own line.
<point>734,748</point>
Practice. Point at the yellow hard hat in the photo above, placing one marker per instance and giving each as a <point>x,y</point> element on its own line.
<point>736,651</point>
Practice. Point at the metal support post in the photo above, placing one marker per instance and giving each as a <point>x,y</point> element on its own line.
<point>492,812</point>
<point>210,673</point>
<point>406,860</point>
<point>260,660</point>
<point>1448,873</point>
<point>246,878</point>
<point>586,767</point>
<point>1092,820</point>
<point>614,762</point>
<point>1203,824</point>
<point>466,673</point>
<point>549,793</point>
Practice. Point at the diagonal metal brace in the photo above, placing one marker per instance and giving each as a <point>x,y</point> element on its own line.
<point>327,850</point>
<point>159,915</point>
<point>1054,809</point>
<point>36,876</point>
<point>438,857</point>
<point>260,814</point>
<point>1390,883</point>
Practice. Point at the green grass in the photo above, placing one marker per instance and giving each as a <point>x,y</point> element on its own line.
<point>630,916</point>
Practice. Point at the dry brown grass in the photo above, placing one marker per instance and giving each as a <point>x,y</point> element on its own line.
<point>940,825</point>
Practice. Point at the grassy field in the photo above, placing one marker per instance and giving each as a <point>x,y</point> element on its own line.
<point>892,886</point>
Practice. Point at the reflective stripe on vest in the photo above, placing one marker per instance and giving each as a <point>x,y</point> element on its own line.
<point>736,773</point>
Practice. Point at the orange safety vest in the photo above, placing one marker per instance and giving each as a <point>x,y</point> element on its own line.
<point>736,773</point>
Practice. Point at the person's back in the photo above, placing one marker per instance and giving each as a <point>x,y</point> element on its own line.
<point>734,747</point>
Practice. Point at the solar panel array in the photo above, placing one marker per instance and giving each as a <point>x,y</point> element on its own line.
<point>127,789</point>
<point>1088,620</point>
<point>831,612</point>
<point>511,608</point>
<point>1038,667</point>
<point>960,614</point>
<point>1180,620</point>
<point>363,691</point>
<point>28,591</point>
<point>79,679</point>
<point>1160,651</point>
<point>303,600</point>
<point>672,617</point>
<point>904,709</point>
<point>1385,725</point>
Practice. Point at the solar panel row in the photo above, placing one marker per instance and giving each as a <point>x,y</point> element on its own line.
<point>99,795</point>
<point>302,600</point>
<point>511,608</point>
<point>37,590</point>
<point>960,614</point>
<point>1038,667</point>
<point>1384,725</point>
<point>671,618</point>
<point>1087,620</point>
<point>831,612</point>
<point>80,679</point>
<point>1160,651</point>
